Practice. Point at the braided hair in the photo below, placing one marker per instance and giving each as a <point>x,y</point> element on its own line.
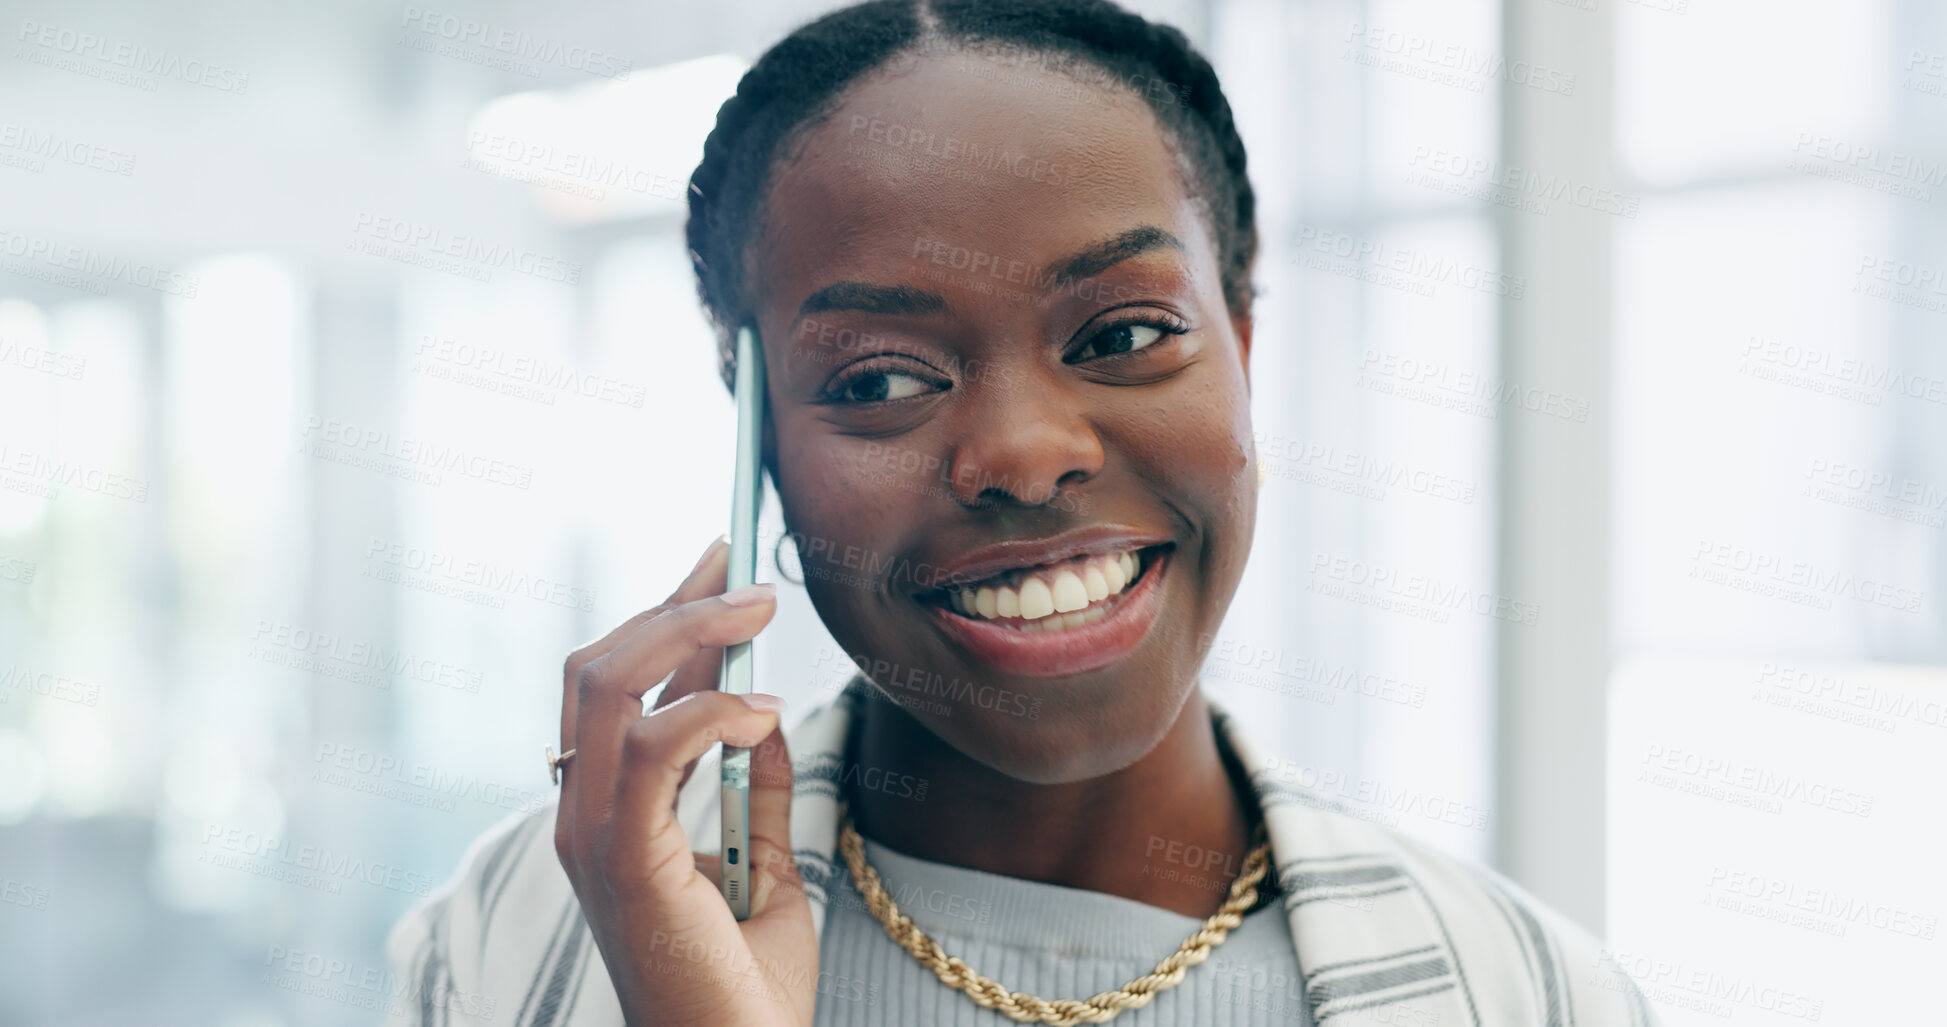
<point>799,82</point>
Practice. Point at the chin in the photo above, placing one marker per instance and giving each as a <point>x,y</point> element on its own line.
<point>1042,733</point>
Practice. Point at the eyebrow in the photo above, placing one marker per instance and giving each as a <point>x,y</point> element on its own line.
<point>873,299</point>
<point>1106,254</point>
<point>868,298</point>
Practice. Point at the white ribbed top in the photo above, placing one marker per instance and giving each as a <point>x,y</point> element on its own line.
<point>1045,939</point>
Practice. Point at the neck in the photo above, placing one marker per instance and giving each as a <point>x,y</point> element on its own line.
<point>1170,830</point>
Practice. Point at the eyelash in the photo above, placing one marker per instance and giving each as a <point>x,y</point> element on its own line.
<point>1164,323</point>
<point>1169,326</point>
<point>864,369</point>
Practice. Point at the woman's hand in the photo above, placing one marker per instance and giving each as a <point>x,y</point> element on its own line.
<point>673,950</point>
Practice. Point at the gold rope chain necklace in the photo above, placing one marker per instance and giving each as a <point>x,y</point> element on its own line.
<point>1022,1007</point>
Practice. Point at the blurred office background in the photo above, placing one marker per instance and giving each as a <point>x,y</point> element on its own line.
<point>1600,386</point>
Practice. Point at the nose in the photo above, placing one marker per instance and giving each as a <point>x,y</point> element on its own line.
<point>1023,440</point>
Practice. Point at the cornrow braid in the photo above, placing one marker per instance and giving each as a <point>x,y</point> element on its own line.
<point>801,80</point>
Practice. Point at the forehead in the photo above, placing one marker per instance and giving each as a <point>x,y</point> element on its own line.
<point>1016,161</point>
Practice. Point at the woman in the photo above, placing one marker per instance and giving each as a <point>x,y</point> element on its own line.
<point>999,256</point>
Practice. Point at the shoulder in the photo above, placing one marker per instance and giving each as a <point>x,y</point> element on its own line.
<point>503,940</point>
<point>1381,918</point>
<point>446,971</point>
<point>1522,960</point>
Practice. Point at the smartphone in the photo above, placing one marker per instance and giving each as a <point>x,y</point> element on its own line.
<point>746,499</point>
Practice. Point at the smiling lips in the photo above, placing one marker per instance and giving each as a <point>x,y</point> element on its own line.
<point>1065,617</point>
<point>1028,599</point>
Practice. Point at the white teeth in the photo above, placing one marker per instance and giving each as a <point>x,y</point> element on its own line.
<point>1113,576</point>
<point>1092,579</point>
<point>1059,601</point>
<point>1069,592</point>
<point>1036,600</point>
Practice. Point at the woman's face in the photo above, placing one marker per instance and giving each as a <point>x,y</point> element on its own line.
<point>999,356</point>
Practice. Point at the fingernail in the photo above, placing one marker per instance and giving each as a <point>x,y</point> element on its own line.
<point>751,595</point>
<point>763,703</point>
<point>722,540</point>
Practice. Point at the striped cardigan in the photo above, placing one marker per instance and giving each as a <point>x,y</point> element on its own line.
<point>1387,929</point>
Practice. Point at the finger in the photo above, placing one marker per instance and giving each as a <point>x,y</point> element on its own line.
<point>700,673</point>
<point>704,670</point>
<point>705,579</point>
<point>645,842</point>
<point>772,864</point>
<point>609,694</point>
<point>710,865</point>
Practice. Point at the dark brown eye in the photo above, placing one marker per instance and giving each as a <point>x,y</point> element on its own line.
<point>1122,338</point>
<point>881,386</point>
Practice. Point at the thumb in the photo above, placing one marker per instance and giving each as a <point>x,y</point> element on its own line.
<point>772,864</point>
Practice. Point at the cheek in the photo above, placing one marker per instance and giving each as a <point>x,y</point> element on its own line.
<point>1230,448</point>
<point>844,511</point>
<point>1198,445</point>
<point>825,526</point>
<point>850,477</point>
